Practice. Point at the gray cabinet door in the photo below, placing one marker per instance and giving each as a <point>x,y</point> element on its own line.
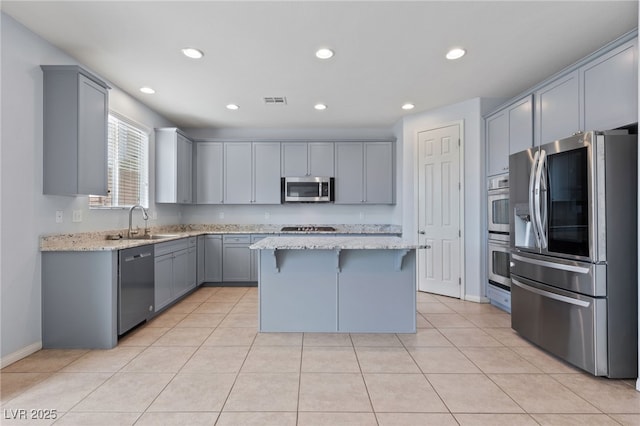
<point>294,159</point>
<point>610,85</point>
<point>266,173</point>
<point>200,260</point>
<point>520,126</point>
<point>238,176</point>
<point>209,172</point>
<point>236,258</point>
<point>192,264</point>
<point>92,137</point>
<point>75,114</point>
<point>213,258</point>
<point>558,109</point>
<point>321,158</point>
<point>349,173</point>
<point>497,126</point>
<point>180,273</point>
<point>378,172</point>
<point>184,172</point>
<point>163,287</point>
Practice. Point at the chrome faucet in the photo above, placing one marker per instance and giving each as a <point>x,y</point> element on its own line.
<point>145,216</point>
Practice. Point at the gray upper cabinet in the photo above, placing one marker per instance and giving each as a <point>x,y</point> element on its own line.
<point>558,109</point>
<point>209,160</point>
<point>252,173</point>
<point>238,173</point>
<point>497,128</point>
<point>610,86</point>
<point>508,131</point>
<point>364,172</point>
<point>76,107</point>
<point>307,159</point>
<point>266,173</point>
<point>378,172</point>
<point>174,161</point>
<point>520,125</point>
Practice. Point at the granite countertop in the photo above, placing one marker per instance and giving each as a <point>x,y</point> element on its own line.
<point>334,243</point>
<point>98,241</point>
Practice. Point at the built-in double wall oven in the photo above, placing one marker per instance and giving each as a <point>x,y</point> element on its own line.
<point>498,271</point>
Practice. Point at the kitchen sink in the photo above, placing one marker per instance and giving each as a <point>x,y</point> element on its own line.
<point>143,237</point>
<point>308,229</point>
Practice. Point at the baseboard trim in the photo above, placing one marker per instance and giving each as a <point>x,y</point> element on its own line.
<point>18,355</point>
<point>477,299</point>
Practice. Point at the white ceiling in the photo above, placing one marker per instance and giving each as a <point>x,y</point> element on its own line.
<point>387,53</point>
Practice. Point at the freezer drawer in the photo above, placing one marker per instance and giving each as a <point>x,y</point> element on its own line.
<point>570,326</point>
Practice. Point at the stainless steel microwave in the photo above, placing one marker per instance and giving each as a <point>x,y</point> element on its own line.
<point>307,189</point>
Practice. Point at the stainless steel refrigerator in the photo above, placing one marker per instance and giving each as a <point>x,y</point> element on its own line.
<point>573,242</point>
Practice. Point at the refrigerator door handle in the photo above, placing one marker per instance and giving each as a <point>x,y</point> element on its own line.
<point>550,295</point>
<point>532,212</point>
<point>538,193</point>
<point>553,265</point>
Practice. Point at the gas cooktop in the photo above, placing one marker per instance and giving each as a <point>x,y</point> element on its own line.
<point>308,229</point>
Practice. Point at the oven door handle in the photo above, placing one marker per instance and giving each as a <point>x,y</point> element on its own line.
<point>553,265</point>
<point>550,295</point>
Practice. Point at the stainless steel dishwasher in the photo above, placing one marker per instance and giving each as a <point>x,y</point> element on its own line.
<point>135,286</point>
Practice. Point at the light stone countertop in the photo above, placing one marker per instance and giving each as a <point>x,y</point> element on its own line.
<point>97,241</point>
<point>334,243</point>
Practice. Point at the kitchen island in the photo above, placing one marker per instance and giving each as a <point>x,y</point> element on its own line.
<point>337,284</point>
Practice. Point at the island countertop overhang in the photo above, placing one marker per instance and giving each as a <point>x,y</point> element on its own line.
<point>335,243</point>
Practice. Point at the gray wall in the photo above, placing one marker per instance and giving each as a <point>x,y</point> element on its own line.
<point>26,213</point>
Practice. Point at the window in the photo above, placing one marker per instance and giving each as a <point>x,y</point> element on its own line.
<point>128,170</point>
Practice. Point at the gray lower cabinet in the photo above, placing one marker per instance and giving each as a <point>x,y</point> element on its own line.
<point>79,300</point>
<point>364,173</point>
<point>213,258</point>
<point>173,277</point>
<point>236,257</point>
<point>76,107</point>
<point>200,262</point>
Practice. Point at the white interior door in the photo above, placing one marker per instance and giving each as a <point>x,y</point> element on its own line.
<point>439,268</point>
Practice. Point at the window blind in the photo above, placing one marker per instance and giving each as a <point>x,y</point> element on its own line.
<point>128,174</point>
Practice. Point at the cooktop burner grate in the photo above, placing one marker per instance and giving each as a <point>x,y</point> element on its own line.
<point>308,229</point>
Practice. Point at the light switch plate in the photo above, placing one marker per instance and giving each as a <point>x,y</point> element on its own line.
<point>77,216</point>
<point>59,216</point>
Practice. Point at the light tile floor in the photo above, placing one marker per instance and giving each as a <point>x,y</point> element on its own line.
<point>202,362</point>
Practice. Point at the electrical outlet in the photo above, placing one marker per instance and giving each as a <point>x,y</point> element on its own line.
<point>267,215</point>
<point>154,215</point>
<point>77,216</point>
<point>221,215</point>
<point>361,215</point>
<point>59,216</point>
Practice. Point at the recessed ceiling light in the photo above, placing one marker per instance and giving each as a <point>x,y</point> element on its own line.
<point>147,90</point>
<point>192,53</point>
<point>456,53</point>
<point>320,107</point>
<point>324,53</point>
<point>408,106</point>
<point>233,107</point>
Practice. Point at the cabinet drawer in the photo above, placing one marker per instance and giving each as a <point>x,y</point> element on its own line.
<point>171,246</point>
<point>236,239</point>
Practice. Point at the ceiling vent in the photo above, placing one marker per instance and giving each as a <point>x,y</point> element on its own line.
<point>275,100</point>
